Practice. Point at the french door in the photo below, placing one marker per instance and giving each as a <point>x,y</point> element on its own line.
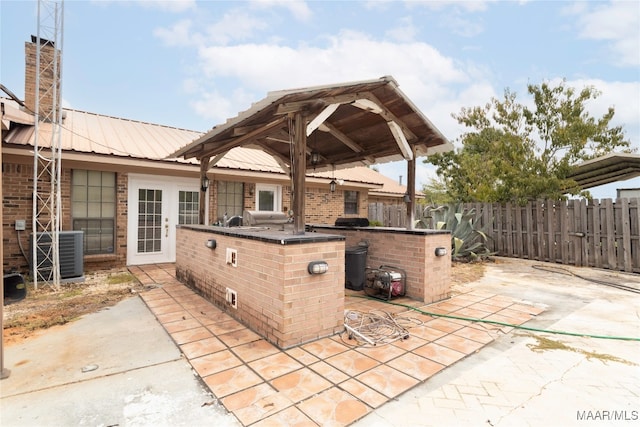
<point>156,205</point>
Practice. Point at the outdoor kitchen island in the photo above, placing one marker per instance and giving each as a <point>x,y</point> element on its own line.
<point>264,277</point>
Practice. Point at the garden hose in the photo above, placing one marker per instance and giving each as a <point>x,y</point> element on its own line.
<point>494,322</point>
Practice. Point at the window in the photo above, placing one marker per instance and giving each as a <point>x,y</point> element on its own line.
<point>230,199</point>
<point>188,207</point>
<point>350,202</point>
<point>268,197</point>
<point>93,209</point>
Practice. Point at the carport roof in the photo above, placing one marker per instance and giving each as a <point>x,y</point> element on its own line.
<point>606,169</point>
<point>347,125</point>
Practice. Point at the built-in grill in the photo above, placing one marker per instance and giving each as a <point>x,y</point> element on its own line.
<point>352,222</point>
<point>264,219</point>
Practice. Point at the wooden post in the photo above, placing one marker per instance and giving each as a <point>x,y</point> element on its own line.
<point>204,166</point>
<point>299,171</point>
<point>411,189</point>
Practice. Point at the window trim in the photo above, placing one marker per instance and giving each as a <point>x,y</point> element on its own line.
<point>277,196</point>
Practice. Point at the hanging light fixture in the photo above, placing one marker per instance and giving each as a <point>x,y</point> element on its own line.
<point>315,158</point>
<point>332,185</point>
<point>204,184</point>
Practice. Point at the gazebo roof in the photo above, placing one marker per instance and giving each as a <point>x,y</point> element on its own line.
<point>606,169</point>
<point>347,124</point>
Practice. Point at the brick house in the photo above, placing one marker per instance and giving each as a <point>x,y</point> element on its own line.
<point>120,188</point>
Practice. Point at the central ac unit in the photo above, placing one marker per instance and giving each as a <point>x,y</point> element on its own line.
<point>70,255</point>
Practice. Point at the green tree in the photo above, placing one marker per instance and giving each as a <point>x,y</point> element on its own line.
<point>513,153</point>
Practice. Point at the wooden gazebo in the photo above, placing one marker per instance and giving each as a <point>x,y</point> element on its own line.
<point>326,128</point>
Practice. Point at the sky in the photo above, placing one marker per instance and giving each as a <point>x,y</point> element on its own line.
<point>193,64</point>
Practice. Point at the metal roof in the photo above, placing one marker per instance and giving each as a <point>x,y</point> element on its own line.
<point>348,124</point>
<point>91,133</point>
<point>606,169</point>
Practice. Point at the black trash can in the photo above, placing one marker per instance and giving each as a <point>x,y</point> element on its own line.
<point>14,288</point>
<point>355,264</point>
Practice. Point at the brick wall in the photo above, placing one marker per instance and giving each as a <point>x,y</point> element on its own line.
<point>47,53</point>
<point>428,276</point>
<point>277,297</point>
<point>17,192</point>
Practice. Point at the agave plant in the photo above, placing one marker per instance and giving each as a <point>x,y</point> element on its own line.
<point>466,241</point>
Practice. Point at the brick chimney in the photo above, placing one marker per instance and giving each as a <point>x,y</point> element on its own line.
<point>47,52</point>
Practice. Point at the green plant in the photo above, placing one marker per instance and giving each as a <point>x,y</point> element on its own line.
<point>466,240</point>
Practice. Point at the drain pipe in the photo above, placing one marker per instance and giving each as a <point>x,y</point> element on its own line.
<point>4,373</point>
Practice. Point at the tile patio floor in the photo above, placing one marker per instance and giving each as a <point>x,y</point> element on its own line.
<point>329,382</point>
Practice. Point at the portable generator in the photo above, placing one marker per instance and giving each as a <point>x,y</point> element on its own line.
<point>385,282</point>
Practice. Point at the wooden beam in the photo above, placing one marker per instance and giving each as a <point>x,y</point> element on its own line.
<point>236,142</point>
<point>204,167</point>
<point>321,117</point>
<point>307,107</point>
<point>299,172</point>
<point>343,138</point>
<point>398,135</point>
<point>389,116</point>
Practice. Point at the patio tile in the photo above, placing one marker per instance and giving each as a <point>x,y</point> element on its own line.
<point>181,325</point>
<point>173,317</point>
<point>387,380</point>
<point>302,356</point>
<point>481,336</point>
<point>440,354</point>
<point>255,350</point>
<point>153,303</point>
<point>232,381</point>
<point>498,300</point>
<point>215,362</point>
<point>220,328</point>
<point>329,372</point>
<point>486,307</point>
<point>364,393</point>
<point>381,353</point>
<point>416,366</point>
<point>203,347</point>
<point>516,316</point>
<point>459,343</point>
<point>239,337</point>
<point>324,348</point>
<point>352,362</point>
<point>446,325</point>
<point>255,403</point>
<point>471,313</point>
<point>334,407</point>
<point>166,308</point>
<point>210,317</point>
<point>273,366</point>
<point>290,417</point>
<point>409,344</point>
<point>190,335</point>
<point>300,384</point>
<point>525,308</point>
<point>427,333</point>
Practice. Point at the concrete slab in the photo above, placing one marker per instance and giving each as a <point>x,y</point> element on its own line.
<point>116,367</point>
<point>530,378</point>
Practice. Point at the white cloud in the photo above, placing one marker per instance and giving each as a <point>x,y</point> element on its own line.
<point>616,22</point>
<point>173,6</point>
<point>405,31</point>
<point>298,8</point>
<point>179,34</point>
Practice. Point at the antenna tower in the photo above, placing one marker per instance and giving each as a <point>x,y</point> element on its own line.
<point>47,145</point>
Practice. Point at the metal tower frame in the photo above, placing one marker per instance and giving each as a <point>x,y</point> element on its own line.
<point>47,148</point>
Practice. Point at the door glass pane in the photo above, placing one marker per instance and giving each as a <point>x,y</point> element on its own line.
<point>150,221</point>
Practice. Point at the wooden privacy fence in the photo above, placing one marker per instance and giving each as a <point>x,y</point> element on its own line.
<point>596,233</point>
